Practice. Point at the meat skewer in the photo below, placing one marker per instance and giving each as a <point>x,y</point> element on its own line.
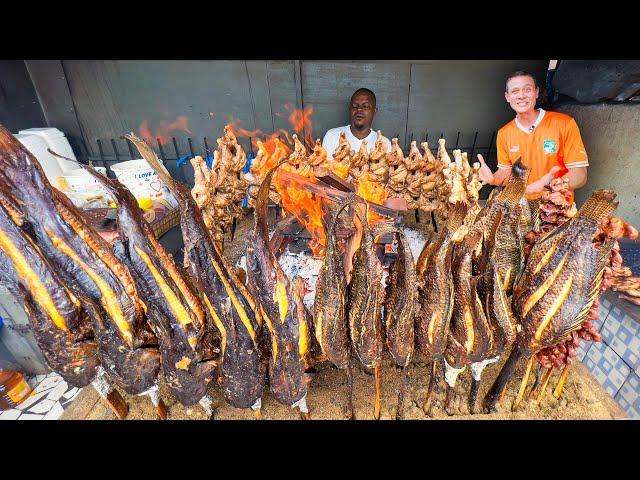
<point>228,304</point>
<point>173,308</point>
<point>127,347</point>
<point>330,307</point>
<point>559,285</point>
<point>435,296</point>
<point>282,309</point>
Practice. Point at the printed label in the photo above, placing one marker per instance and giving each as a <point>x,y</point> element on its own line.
<point>550,146</point>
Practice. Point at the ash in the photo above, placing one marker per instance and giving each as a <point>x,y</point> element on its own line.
<point>416,241</point>
<point>305,266</point>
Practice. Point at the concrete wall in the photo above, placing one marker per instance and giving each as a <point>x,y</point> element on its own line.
<point>611,135</point>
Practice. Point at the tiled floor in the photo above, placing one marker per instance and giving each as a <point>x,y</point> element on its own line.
<point>51,395</point>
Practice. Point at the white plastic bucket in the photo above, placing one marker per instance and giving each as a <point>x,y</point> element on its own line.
<point>143,181</point>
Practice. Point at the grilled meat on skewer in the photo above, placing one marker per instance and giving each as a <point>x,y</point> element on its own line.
<point>173,308</point>
<point>435,296</point>
<point>330,307</point>
<point>61,329</point>
<point>228,304</point>
<point>126,345</point>
<point>559,285</point>
<point>282,311</point>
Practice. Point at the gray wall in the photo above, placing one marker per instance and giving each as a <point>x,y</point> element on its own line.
<point>19,106</point>
<point>611,135</point>
<point>108,98</point>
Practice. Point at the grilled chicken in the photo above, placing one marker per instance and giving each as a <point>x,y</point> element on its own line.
<point>126,346</point>
<point>330,307</point>
<point>435,296</point>
<point>282,311</point>
<point>228,304</point>
<point>173,308</point>
<point>399,311</point>
<point>61,328</point>
<point>364,307</point>
<point>560,283</point>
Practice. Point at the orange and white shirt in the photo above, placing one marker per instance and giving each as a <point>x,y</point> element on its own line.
<point>553,139</point>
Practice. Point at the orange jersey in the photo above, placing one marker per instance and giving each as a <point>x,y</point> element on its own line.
<point>554,139</point>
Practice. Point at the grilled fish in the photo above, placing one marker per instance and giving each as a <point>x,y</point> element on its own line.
<point>228,304</point>
<point>61,329</point>
<point>173,308</point>
<point>126,346</point>
<point>560,283</point>
<point>435,295</point>
<point>282,310</point>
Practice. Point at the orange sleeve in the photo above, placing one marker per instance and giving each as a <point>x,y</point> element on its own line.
<point>503,151</point>
<point>575,155</point>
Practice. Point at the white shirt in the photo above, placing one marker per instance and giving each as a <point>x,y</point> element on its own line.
<point>331,138</point>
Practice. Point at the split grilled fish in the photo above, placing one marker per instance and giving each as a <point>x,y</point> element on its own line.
<point>173,309</point>
<point>364,307</point>
<point>228,304</point>
<point>283,312</point>
<point>126,346</point>
<point>330,306</point>
<point>399,311</point>
<point>560,283</point>
<point>435,295</point>
<point>61,329</point>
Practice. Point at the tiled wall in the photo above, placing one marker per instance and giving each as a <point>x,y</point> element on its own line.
<point>615,362</point>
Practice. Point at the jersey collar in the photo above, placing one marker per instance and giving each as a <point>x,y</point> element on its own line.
<point>535,124</point>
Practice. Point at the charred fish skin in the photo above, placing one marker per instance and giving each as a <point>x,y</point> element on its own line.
<point>81,256</point>
<point>366,295</point>
<point>282,309</point>
<point>400,304</point>
<point>228,304</point>
<point>330,305</point>
<point>564,272</point>
<point>62,333</point>
<point>173,309</point>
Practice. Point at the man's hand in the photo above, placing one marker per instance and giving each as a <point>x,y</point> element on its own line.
<point>485,174</point>
<point>538,186</point>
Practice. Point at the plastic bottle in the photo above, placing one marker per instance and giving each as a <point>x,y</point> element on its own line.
<point>14,389</point>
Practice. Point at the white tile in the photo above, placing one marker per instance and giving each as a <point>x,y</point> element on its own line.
<point>55,412</point>
<point>48,383</point>
<point>58,391</point>
<point>11,414</point>
<point>30,416</point>
<point>31,400</point>
<point>42,406</point>
<point>71,393</point>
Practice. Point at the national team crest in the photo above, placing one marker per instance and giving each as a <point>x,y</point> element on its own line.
<point>550,146</point>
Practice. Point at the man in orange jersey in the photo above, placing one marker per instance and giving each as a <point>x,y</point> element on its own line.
<point>549,143</point>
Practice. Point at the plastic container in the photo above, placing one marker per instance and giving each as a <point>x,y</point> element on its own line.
<point>57,142</point>
<point>79,180</point>
<point>38,147</point>
<point>143,181</point>
<point>14,389</point>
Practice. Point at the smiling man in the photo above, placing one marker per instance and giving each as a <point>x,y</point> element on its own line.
<point>549,143</point>
<point>362,110</point>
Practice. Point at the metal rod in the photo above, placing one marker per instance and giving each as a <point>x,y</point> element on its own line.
<point>473,147</point>
<point>101,151</point>
<point>426,136</point>
<point>206,146</point>
<point>130,145</point>
<point>251,145</point>
<point>175,147</point>
<point>490,143</point>
<point>457,140</point>
<point>160,148</point>
<point>115,149</point>
<point>190,147</point>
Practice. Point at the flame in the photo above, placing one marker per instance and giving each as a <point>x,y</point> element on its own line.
<point>371,191</point>
<point>300,119</point>
<point>162,135</point>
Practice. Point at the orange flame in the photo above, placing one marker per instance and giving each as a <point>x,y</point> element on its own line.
<point>300,119</point>
<point>162,135</point>
<point>373,192</point>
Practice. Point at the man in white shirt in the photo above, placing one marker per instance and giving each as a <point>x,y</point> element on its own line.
<point>362,109</point>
